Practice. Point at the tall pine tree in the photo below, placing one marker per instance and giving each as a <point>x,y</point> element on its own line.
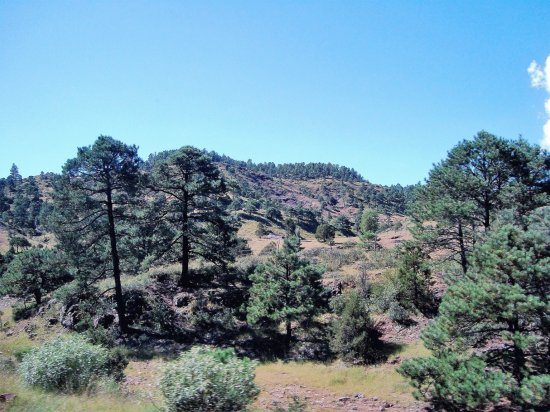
<point>92,199</point>
<point>479,177</point>
<point>195,209</point>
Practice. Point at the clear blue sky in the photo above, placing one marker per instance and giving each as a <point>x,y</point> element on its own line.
<point>385,87</point>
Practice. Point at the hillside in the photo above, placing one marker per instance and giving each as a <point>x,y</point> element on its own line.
<point>308,197</point>
<point>305,285</point>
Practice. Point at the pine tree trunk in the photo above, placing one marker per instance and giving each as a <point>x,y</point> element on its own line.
<point>184,276</point>
<point>288,336</point>
<point>38,297</point>
<point>463,259</point>
<point>120,306</point>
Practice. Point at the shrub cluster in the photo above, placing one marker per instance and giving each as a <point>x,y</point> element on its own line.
<point>69,364</point>
<point>204,379</point>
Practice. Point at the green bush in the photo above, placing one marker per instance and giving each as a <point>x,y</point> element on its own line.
<point>325,233</point>
<point>22,311</point>
<point>69,364</point>
<point>204,379</point>
<point>354,337</point>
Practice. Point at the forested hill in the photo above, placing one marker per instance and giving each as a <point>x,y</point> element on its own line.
<point>312,192</point>
<point>327,188</point>
<point>301,171</point>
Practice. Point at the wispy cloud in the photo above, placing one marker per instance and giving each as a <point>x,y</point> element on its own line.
<point>540,79</point>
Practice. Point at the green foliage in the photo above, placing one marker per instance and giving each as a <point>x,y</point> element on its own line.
<point>261,230</point>
<point>195,209</point>
<point>501,308</point>
<point>273,213</point>
<point>285,289</point>
<point>34,273</point>
<point>68,363</point>
<point>26,205</point>
<point>354,336</point>
<point>294,170</point>
<point>455,382</point>
<point>325,233</point>
<point>369,225</point>
<point>251,206</point>
<point>94,200</point>
<point>290,226</point>
<point>14,179</point>
<point>414,279</point>
<point>22,311</point>
<point>479,178</point>
<point>204,379</point>
<point>19,243</point>
<point>343,225</point>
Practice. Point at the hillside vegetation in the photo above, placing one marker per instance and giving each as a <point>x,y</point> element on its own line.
<point>304,285</point>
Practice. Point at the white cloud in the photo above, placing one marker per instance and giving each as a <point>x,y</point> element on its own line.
<point>537,75</point>
<point>540,79</point>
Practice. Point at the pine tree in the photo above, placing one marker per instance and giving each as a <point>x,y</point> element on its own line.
<point>286,289</point>
<point>261,230</point>
<point>491,339</point>
<point>26,205</point>
<point>369,225</point>
<point>14,179</point>
<point>479,177</point>
<point>414,279</point>
<point>33,273</point>
<point>195,209</point>
<point>4,201</point>
<point>354,336</point>
<point>19,244</point>
<point>325,233</point>
<point>92,200</point>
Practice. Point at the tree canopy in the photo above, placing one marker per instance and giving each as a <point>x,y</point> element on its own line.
<point>491,339</point>
<point>92,198</point>
<point>195,209</point>
<point>285,289</point>
<point>479,178</point>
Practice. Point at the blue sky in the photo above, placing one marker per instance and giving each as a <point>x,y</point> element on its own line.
<point>385,87</point>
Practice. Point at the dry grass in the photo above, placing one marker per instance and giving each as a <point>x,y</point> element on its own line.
<point>31,399</point>
<point>380,381</point>
<point>4,239</point>
<point>247,231</point>
<point>143,376</point>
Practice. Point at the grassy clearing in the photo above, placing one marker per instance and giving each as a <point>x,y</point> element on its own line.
<point>411,350</point>
<point>13,346</point>
<point>30,399</point>
<point>138,281</point>
<point>380,381</point>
